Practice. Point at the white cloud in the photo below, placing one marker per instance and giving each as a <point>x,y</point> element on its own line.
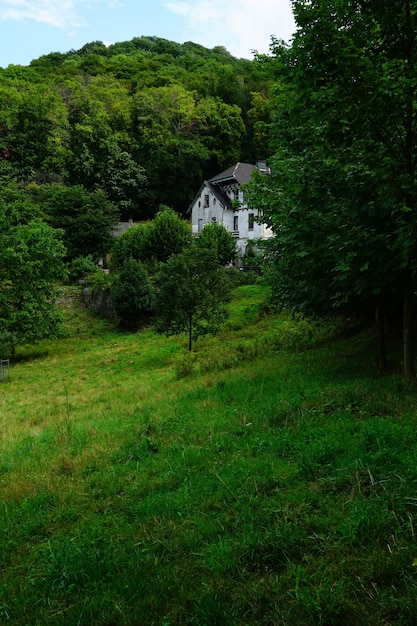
<point>240,25</point>
<point>58,13</point>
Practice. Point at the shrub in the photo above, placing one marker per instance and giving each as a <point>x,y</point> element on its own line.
<point>216,238</point>
<point>80,268</point>
<point>131,292</point>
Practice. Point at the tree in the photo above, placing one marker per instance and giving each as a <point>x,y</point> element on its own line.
<point>192,291</point>
<point>217,238</point>
<point>36,138</point>
<point>131,292</point>
<point>178,134</point>
<point>31,260</point>
<point>165,235</point>
<point>342,200</point>
<point>152,242</point>
<point>87,218</point>
<point>130,245</point>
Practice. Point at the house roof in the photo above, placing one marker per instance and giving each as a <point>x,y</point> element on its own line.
<point>215,190</point>
<point>240,172</point>
<point>221,197</point>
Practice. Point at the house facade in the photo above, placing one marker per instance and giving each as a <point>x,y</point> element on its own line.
<point>221,199</point>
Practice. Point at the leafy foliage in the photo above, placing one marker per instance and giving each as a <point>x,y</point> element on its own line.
<point>130,244</point>
<point>87,218</point>
<point>131,292</point>
<point>343,196</point>
<point>220,241</point>
<point>144,120</point>
<point>31,256</point>
<point>165,235</point>
<point>192,290</point>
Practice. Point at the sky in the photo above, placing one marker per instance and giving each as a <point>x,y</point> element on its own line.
<point>32,28</point>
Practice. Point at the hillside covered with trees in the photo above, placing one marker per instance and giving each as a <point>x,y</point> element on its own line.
<point>107,134</point>
<point>143,121</point>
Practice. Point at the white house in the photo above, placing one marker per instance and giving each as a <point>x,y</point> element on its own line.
<point>221,199</point>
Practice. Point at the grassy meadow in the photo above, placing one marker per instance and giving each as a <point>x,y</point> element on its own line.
<point>268,478</point>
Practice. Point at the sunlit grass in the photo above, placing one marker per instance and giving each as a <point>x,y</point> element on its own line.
<point>272,483</point>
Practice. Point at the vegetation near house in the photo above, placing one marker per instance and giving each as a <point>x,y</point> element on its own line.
<point>153,242</point>
<point>220,241</point>
<point>130,244</point>
<point>131,292</point>
<point>167,235</point>
<point>86,218</point>
<point>343,194</point>
<point>192,290</point>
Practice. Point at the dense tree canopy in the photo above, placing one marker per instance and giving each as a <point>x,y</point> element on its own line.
<point>86,218</point>
<point>131,292</point>
<point>342,200</point>
<point>31,260</point>
<point>144,120</point>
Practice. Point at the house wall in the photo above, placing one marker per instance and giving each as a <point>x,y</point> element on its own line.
<point>207,208</point>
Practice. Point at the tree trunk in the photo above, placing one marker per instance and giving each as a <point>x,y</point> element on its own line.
<point>408,329</point>
<point>380,326</point>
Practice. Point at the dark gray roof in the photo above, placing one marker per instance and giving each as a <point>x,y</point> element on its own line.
<point>240,172</point>
<point>221,197</point>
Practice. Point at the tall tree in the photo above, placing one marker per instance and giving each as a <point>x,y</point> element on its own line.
<point>31,256</point>
<point>165,235</point>
<point>178,133</point>
<point>343,197</point>
<point>131,293</point>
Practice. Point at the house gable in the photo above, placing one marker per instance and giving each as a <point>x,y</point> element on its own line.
<point>220,199</point>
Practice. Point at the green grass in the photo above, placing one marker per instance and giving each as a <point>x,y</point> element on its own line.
<point>272,481</point>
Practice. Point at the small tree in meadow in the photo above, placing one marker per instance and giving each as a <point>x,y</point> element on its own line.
<point>192,290</point>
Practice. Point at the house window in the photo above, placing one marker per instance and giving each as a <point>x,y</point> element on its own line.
<point>200,225</point>
<point>206,200</point>
<point>236,222</point>
<point>251,221</point>
<point>213,219</point>
<point>236,194</point>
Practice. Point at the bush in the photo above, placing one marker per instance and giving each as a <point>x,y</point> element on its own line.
<point>184,365</point>
<point>167,235</point>
<point>216,238</point>
<point>131,292</point>
<point>80,268</point>
<point>130,245</point>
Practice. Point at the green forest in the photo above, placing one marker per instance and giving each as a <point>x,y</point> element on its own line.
<point>144,121</point>
<point>189,435</point>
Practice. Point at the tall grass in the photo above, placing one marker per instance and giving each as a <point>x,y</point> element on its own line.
<point>271,480</point>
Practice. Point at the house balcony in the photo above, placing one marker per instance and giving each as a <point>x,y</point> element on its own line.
<point>235,233</point>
